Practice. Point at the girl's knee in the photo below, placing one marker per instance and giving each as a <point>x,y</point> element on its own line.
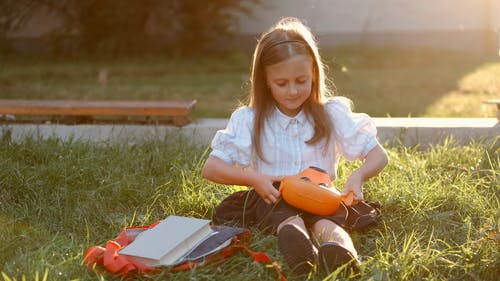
<point>325,225</point>
<point>327,230</point>
<point>295,220</point>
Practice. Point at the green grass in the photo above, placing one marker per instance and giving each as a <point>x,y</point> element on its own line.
<point>416,82</point>
<point>440,206</point>
<point>381,82</point>
<point>440,209</point>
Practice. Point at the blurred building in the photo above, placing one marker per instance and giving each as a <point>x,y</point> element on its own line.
<point>468,25</point>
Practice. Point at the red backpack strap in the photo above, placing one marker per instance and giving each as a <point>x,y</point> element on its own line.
<point>109,259</point>
<point>93,258</point>
<point>260,257</point>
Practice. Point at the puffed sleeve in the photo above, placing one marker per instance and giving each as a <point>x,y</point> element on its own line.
<point>234,143</point>
<point>354,133</point>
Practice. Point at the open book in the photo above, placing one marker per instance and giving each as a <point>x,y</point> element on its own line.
<point>168,242</point>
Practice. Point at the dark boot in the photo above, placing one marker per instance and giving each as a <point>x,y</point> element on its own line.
<point>297,249</point>
<point>332,255</point>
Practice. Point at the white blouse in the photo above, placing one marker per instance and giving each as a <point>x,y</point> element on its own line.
<point>283,140</point>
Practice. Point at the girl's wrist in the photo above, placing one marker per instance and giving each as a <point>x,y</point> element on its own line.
<point>360,174</point>
<point>249,178</point>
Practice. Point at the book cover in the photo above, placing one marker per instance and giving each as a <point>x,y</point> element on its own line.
<point>168,241</point>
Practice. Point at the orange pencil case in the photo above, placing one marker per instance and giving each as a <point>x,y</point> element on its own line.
<point>310,191</point>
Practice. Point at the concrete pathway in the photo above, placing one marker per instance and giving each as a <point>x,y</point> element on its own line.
<point>391,131</point>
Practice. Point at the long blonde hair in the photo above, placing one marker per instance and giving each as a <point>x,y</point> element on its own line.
<point>287,38</point>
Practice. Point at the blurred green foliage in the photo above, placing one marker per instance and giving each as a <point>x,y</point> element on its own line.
<point>127,27</point>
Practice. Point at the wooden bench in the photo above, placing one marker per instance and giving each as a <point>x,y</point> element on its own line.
<point>93,111</point>
<point>497,102</point>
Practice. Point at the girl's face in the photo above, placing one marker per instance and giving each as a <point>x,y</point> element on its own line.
<point>290,82</point>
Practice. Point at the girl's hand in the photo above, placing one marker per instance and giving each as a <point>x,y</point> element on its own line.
<point>374,162</point>
<point>263,185</point>
<point>354,184</point>
<point>221,172</point>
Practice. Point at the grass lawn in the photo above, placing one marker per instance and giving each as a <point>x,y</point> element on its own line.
<point>440,206</point>
<point>381,82</point>
<point>440,209</point>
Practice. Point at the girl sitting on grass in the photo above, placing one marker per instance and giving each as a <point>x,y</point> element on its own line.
<point>292,122</point>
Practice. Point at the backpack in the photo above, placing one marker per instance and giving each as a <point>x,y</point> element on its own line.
<point>217,247</point>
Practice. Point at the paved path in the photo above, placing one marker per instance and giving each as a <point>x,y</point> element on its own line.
<point>391,131</point>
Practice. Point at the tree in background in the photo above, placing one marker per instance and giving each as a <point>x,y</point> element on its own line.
<point>128,27</point>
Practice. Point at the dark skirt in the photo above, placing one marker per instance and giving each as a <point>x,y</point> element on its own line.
<point>247,209</point>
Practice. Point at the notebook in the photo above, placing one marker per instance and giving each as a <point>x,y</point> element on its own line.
<point>169,241</point>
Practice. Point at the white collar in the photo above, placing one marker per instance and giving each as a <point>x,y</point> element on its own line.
<point>284,120</point>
